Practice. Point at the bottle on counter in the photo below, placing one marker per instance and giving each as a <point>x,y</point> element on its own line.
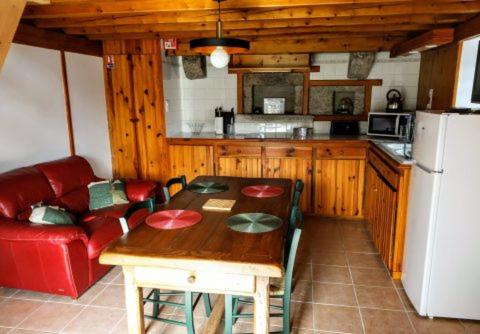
<point>218,121</point>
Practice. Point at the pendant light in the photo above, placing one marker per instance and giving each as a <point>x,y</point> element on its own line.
<point>219,48</point>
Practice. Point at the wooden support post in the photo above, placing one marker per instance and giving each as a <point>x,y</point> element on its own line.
<point>261,308</point>
<point>10,14</point>
<point>68,108</point>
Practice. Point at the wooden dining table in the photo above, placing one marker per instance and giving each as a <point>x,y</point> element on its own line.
<point>207,257</point>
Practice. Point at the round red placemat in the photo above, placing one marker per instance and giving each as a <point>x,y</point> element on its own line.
<point>173,219</point>
<point>262,191</point>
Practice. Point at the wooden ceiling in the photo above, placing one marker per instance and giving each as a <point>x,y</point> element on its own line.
<point>273,26</point>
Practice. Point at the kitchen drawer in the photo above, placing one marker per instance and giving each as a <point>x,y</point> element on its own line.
<point>383,169</point>
<point>179,279</point>
<point>239,151</point>
<point>288,152</point>
<point>346,152</point>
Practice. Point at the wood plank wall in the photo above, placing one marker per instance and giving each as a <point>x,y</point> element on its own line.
<point>439,71</point>
<point>134,90</point>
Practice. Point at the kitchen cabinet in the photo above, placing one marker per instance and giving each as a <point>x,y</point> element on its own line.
<point>291,162</point>
<point>191,161</point>
<point>386,185</point>
<point>339,181</point>
<point>238,160</point>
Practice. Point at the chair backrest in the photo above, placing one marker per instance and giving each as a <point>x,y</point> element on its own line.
<point>290,264</point>
<point>296,217</point>
<point>147,204</point>
<point>182,180</point>
<point>299,185</point>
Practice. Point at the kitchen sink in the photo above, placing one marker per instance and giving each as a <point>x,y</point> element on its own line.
<point>403,150</point>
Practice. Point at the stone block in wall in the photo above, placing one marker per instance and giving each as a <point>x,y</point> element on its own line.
<point>360,64</point>
<point>321,99</point>
<point>195,67</point>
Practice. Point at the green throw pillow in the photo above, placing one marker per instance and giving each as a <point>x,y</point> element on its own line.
<point>50,215</point>
<point>106,193</point>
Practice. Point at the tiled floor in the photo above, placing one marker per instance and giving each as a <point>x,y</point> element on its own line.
<point>341,287</point>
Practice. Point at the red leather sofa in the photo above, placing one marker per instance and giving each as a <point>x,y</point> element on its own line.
<point>60,260</point>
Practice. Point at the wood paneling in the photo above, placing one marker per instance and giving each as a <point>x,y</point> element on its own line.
<point>191,161</point>
<point>338,187</point>
<point>291,163</point>
<point>239,166</point>
<point>10,14</point>
<point>135,111</point>
<point>439,71</point>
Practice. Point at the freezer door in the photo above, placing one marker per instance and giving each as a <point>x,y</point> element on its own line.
<point>429,139</point>
<point>421,218</point>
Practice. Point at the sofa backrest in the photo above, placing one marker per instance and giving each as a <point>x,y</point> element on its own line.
<point>21,188</point>
<point>69,178</point>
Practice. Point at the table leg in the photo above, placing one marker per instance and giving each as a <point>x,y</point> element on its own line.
<point>134,303</point>
<point>261,307</point>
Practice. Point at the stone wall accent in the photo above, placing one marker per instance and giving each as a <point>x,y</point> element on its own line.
<point>321,99</point>
<point>360,64</point>
<point>195,67</point>
<point>273,79</point>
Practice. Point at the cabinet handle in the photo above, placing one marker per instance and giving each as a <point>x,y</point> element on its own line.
<point>375,189</point>
<point>191,279</point>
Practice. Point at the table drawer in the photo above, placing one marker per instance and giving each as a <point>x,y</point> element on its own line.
<point>386,171</point>
<point>341,152</point>
<point>194,280</point>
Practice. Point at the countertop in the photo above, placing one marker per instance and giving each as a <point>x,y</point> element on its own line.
<point>265,137</point>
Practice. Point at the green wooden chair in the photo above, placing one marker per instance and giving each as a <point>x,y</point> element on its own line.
<point>299,185</point>
<point>147,204</point>
<point>182,180</point>
<point>279,289</point>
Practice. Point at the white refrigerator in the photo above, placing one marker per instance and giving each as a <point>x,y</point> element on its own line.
<point>441,270</point>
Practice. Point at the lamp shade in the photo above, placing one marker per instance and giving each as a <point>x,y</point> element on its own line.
<point>230,45</point>
<point>219,57</point>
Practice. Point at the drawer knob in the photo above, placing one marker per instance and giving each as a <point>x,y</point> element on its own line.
<point>191,279</point>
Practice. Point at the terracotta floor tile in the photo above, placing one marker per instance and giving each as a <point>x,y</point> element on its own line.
<point>329,258</point>
<point>14,311</point>
<point>7,292</point>
<point>386,322</point>
<point>93,320</point>
<point>26,331</point>
<point>358,245</point>
<point>363,260</point>
<point>471,326</point>
<point>406,301</point>
<point>302,291</point>
<point>385,298</point>
<point>303,272</point>
<point>90,294</point>
<point>32,295</point>
<point>336,294</point>
<point>301,315</point>
<point>331,274</point>
<point>122,326</point>
<point>51,317</point>
<point>112,296</point>
<point>5,330</point>
<point>337,319</point>
<point>398,284</point>
<point>424,325</point>
<point>111,275</point>
<point>326,244</point>
<point>371,277</point>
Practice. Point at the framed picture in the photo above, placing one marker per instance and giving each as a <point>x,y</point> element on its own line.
<point>476,80</point>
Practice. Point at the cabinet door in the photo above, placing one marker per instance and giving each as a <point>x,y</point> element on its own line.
<point>239,166</point>
<point>191,161</point>
<point>339,188</point>
<point>291,162</point>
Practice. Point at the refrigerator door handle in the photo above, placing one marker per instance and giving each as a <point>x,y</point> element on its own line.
<point>428,170</point>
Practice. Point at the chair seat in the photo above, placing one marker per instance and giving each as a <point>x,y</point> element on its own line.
<point>277,286</point>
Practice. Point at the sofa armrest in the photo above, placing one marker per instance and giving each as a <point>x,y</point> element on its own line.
<point>140,190</point>
<point>11,230</point>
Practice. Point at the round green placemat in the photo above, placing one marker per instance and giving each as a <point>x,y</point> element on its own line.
<point>207,187</point>
<point>254,222</point>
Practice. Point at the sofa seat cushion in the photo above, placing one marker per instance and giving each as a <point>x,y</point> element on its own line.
<point>101,231</point>
<point>68,174</point>
<point>21,188</point>
<point>116,212</point>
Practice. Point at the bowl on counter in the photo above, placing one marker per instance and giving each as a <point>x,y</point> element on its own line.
<point>302,132</point>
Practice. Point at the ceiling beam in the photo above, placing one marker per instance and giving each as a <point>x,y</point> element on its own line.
<point>10,14</point>
<point>283,23</point>
<point>468,29</point>
<point>30,35</point>
<point>426,41</point>
<point>38,2</point>
<point>108,8</point>
<point>311,45</point>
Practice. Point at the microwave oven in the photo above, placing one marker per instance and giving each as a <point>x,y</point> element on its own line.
<point>395,125</point>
